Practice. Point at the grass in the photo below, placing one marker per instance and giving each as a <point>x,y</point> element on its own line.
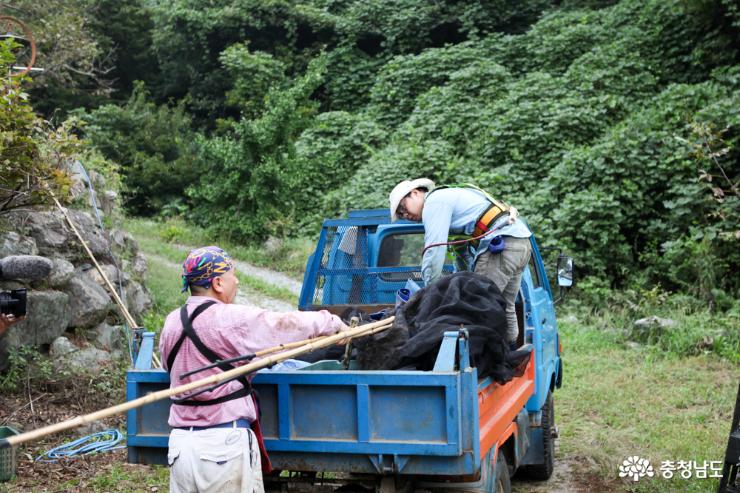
<point>618,401</point>
<point>125,477</point>
<point>267,289</point>
<point>170,239</point>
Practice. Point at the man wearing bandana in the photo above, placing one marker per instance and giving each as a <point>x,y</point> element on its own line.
<point>215,441</point>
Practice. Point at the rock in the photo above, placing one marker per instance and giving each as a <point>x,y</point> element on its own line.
<point>108,202</point>
<point>139,266</point>
<point>111,272</point>
<point>273,244</point>
<point>11,243</point>
<point>97,179</point>
<point>88,301</point>
<point>632,345</point>
<point>123,242</point>
<point>705,344</point>
<point>108,337</point>
<point>54,238</point>
<point>91,233</point>
<point>61,273</point>
<point>90,429</point>
<point>61,347</point>
<point>78,188</point>
<point>66,355</point>
<point>48,230</point>
<point>137,298</point>
<point>569,319</point>
<point>9,285</point>
<point>48,315</point>
<point>654,321</point>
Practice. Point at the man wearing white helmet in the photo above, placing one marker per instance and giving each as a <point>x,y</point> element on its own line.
<point>498,239</point>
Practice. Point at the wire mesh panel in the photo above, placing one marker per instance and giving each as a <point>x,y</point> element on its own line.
<point>353,273</point>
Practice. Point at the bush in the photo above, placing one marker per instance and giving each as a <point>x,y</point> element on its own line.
<point>406,77</point>
<point>244,191</point>
<point>154,146</point>
<point>253,73</point>
<point>641,161</point>
<point>33,154</point>
<point>327,155</point>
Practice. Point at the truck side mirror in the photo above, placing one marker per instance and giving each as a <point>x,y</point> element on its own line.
<point>565,271</point>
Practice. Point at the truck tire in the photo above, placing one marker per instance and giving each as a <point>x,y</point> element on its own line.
<point>503,481</point>
<point>542,472</point>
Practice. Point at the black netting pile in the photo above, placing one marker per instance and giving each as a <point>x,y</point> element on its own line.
<point>462,299</point>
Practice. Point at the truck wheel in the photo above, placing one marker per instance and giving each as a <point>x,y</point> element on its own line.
<point>543,471</point>
<point>503,481</point>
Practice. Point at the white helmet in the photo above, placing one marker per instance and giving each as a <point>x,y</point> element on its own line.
<point>403,189</point>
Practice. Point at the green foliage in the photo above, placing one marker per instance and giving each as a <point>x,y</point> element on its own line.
<point>76,67</point>
<point>629,165</point>
<point>33,153</point>
<point>153,144</point>
<point>327,155</point>
<point>612,125</point>
<point>123,29</point>
<point>26,367</point>
<point>584,134</point>
<point>409,26</point>
<point>190,38</point>
<point>245,190</point>
<point>404,78</point>
<point>253,74</point>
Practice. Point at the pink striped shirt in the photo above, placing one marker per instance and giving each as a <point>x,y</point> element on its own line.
<point>231,330</point>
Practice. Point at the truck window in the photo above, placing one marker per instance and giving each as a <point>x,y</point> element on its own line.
<point>401,250</point>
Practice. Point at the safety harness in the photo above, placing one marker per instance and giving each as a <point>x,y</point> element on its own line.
<point>246,390</point>
<point>483,225</point>
<point>189,333</point>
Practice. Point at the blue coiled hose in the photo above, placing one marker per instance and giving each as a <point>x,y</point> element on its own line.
<point>90,444</point>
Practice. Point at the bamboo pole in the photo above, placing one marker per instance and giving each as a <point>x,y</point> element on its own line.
<point>182,389</point>
<point>274,349</point>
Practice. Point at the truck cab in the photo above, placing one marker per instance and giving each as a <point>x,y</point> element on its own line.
<point>387,431</point>
<point>362,261</point>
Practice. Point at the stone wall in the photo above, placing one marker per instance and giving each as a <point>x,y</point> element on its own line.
<point>71,315</point>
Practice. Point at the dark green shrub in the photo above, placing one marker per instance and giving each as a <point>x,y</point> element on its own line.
<point>244,189</point>
<point>153,145</point>
<point>404,78</point>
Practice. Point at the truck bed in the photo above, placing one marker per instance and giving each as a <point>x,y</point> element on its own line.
<point>439,422</point>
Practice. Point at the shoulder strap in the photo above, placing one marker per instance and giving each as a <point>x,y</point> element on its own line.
<point>185,319</point>
<point>189,332</point>
<point>498,203</point>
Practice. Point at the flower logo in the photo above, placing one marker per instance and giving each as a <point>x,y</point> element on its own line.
<point>636,467</point>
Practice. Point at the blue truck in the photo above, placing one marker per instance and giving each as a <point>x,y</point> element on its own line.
<point>333,425</point>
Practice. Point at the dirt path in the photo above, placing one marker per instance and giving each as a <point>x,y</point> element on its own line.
<point>270,276</point>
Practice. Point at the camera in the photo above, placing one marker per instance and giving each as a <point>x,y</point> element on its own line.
<point>13,302</point>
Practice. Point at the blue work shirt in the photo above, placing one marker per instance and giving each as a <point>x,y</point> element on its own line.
<point>455,211</point>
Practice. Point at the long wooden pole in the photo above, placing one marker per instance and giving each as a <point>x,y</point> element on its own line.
<point>281,347</point>
<point>363,330</point>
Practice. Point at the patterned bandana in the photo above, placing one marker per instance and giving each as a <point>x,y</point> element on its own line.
<point>203,265</point>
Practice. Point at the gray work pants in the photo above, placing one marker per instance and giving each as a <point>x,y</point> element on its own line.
<point>505,270</point>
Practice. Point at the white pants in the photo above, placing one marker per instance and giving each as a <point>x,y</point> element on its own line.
<point>216,460</point>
